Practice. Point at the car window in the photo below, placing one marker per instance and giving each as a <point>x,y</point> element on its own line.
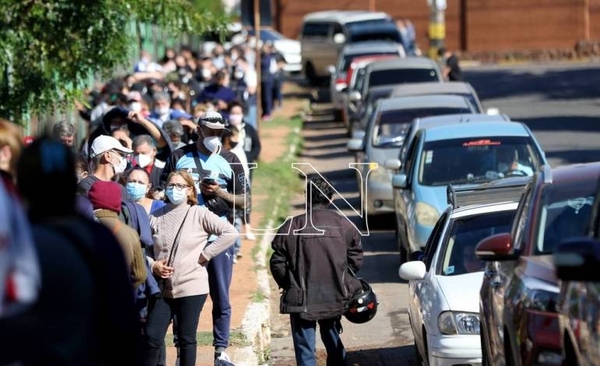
<point>377,29</point>
<point>400,76</point>
<point>411,156</point>
<point>464,235</point>
<point>391,126</point>
<point>519,227</point>
<point>315,30</point>
<point>565,212</point>
<point>360,79</point>
<point>434,239</point>
<point>476,160</point>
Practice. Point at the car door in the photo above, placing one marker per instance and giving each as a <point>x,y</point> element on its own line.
<point>423,293</point>
<point>497,277</point>
<point>403,201</point>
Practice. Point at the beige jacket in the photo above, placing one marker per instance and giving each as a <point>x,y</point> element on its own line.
<point>189,278</point>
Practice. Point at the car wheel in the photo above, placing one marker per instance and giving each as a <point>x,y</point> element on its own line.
<point>570,358</point>
<point>311,75</point>
<point>508,354</point>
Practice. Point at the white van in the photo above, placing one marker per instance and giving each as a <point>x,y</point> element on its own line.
<point>324,33</point>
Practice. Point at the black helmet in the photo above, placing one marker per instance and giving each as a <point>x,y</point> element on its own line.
<point>362,307</point>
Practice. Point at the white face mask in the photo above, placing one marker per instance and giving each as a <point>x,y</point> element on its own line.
<point>121,166</point>
<point>213,144</point>
<point>239,75</point>
<point>176,195</point>
<point>235,119</point>
<point>162,111</point>
<point>143,160</point>
<point>135,106</point>
<point>206,73</point>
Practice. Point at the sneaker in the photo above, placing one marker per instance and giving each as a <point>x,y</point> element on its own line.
<point>235,258</point>
<point>250,236</point>
<point>222,359</point>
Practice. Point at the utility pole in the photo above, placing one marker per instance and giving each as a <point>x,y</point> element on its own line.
<point>257,60</point>
<point>437,26</point>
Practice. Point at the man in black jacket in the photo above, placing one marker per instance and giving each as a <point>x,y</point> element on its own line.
<point>312,262</point>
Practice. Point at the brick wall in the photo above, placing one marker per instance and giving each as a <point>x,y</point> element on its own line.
<point>472,25</point>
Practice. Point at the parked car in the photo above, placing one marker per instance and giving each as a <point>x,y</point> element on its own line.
<point>577,261</point>
<point>519,293</point>
<point>391,71</point>
<point>349,55</point>
<point>460,153</point>
<point>383,139</point>
<point>324,33</point>
<point>444,319</point>
<point>287,47</point>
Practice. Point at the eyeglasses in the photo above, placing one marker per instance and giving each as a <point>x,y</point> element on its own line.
<point>178,185</point>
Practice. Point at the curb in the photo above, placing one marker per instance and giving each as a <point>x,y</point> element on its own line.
<point>256,323</point>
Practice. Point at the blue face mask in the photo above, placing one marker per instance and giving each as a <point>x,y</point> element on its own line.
<point>136,191</point>
<point>176,195</point>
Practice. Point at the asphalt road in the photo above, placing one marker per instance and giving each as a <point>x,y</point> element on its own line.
<point>561,105</point>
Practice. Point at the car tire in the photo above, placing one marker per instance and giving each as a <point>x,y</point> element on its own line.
<point>508,354</point>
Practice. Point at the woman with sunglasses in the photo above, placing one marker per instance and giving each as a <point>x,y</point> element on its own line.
<point>179,257</point>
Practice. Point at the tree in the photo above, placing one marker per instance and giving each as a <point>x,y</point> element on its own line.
<point>48,48</point>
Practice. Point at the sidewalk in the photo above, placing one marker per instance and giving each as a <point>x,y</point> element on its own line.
<point>250,327</point>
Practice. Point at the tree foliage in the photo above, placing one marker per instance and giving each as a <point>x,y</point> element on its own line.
<point>48,48</point>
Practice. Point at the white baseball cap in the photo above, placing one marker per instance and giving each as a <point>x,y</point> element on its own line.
<point>104,143</point>
<point>212,120</point>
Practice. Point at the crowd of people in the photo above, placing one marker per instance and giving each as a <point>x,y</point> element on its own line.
<point>115,237</point>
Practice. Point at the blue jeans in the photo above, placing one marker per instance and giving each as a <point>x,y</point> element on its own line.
<point>250,116</point>
<point>303,334</point>
<point>160,311</point>
<point>220,271</point>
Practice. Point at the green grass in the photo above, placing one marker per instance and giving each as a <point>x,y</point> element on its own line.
<point>236,339</point>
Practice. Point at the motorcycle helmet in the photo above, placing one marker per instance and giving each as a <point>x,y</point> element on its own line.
<point>362,307</point>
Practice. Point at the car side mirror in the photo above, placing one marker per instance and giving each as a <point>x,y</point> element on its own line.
<point>577,259</point>
<point>414,270</point>
<point>339,38</point>
<point>392,164</point>
<point>354,96</point>
<point>355,145</point>
<point>400,181</point>
<point>496,248</point>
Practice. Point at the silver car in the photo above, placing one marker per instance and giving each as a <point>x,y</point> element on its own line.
<point>383,139</point>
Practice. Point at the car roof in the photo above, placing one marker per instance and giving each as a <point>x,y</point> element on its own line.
<point>416,101</point>
<point>573,172</point>
<point>405,63</point>
<point>483,209</point>
<point>460,118</point>
<point>344,16</point>
<point>507,189</point>
<point>483,129</point>
<point>432,87</point>
<point>376,46</point>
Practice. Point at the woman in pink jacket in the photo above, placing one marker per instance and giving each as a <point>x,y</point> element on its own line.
<point>178,259</point>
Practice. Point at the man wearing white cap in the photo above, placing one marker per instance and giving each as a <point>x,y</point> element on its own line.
<point>221,188</point>
<point>109,158</point>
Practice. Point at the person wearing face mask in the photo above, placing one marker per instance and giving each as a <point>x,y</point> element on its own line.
<point>162,108</point>
<point>134,100</point>
<point>221,181</point>
<point>219,91</point>
<point>181,261</point>
<point>249,143</point>
<point>144,156</point>
<point>138,187</point>
<point>109,158</point>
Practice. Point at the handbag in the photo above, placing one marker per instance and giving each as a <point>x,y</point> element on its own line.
<point>162,282</point>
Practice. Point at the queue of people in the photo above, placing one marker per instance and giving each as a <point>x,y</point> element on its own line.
<point>161,178</point>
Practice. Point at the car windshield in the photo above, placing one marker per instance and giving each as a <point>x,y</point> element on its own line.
<point>458,257</point>
<point>346,61</point>
<point>268,35</point>
<point>565,213</point>
<point>399,76</point>
<point>477,160</point>
<point>391,126</point>
<point>382,29</point>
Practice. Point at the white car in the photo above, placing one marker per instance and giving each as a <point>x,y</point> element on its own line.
<point>445,280</point>
<point>287,47</point>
